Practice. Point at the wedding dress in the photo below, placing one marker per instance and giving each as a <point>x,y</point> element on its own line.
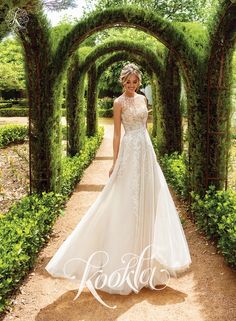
<point>133,215</point>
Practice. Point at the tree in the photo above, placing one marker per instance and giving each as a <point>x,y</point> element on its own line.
<point>174,10</point>
<point>11,66</point>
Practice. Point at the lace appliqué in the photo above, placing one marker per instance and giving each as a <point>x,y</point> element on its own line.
<point>134,150</point>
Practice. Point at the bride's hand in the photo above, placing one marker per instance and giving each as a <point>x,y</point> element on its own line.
<point>111,170</point>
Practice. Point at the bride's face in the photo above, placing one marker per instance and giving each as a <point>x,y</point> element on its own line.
<point>131,84</point>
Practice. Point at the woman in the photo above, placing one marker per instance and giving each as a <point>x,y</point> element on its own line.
<point>131,237</point>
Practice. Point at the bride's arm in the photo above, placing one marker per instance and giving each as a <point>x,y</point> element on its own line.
<point>147,109</point>
<point>117,129</point>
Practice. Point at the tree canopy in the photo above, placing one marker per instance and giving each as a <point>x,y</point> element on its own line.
<point>174,10</point>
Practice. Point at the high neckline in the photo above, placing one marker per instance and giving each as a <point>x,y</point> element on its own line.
<point>126,96</point>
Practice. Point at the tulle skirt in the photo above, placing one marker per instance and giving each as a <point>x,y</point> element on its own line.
<point>131,236</point>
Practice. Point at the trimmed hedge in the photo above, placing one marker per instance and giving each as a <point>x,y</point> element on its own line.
<point>5,105</point>
<point>18,133</point>
<point>105,103</point>
<point>215,214</point>
<point>105,107</point>
<point>73,167</point>
<point>20,112</point>
<point>175,170</point>
<point>14,112</point>
<point>23,231</point>
<point>105,112</point>
<point>12,134</point>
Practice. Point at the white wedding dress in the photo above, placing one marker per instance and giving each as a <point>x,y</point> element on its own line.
<point>133,215</point>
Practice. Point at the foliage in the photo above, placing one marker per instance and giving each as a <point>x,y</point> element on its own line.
<point>105,103</point>
<point>44,88</point>
<point>112,61</point>
<point>175,170</point>
<point>73,167</point>
<point>218,100</point>
<point>109,85</point>
<point>197,35</point>
<point>14,112</point>
<point>11,66</point>
<point>105,107</point>
<point>168,110</point>
<point>59,31</point>
<point>75,104</point>
<point>215,214</point>
<point>178,10</point>
<point>130,34</point>
<point>27,225</point>
<point>23,231</point>
<point>12,134</point>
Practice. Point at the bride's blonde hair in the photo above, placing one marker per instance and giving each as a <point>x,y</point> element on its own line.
<point>130,69</point>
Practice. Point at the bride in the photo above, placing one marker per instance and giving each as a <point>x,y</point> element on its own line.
<point>131,236</point>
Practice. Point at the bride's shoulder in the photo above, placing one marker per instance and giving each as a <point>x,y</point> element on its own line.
<point>118,101</point>
<point>117,104</point>
<point>119,98</point>
<point>141,96</point>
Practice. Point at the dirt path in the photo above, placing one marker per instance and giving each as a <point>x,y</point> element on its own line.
<point>206,292</point>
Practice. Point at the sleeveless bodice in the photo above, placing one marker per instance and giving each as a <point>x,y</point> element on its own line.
<point>134,112</point>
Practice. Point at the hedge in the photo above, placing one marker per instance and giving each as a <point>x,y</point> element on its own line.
<point>12,134</point>
<point>27,225</point>
<point>23,230</point>
<point>215,214</point>
<point>20,112</point>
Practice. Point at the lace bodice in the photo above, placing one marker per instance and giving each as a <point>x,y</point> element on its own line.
<point>134,112</point>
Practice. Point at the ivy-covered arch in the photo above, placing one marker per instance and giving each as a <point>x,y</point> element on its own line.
<point>152,59</point>
<point>174,39</point>
<point>219,106</point>
<point>169,127</point>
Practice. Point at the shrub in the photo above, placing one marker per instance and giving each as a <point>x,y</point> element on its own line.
<point>14,112</point>
<point>73,167</point>
<point>105,112</point>
<point>175,170</point>
<point>105,103</point>
<point>12,133</point>
<point>215,214</point>
<point>23,231</point>
<point>105,107</point>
